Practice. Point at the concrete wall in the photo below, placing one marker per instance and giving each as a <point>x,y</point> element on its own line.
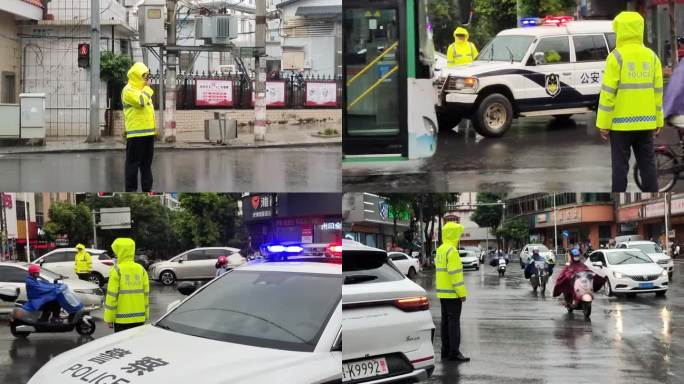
<point>193,120</point>
<point>10,59</point>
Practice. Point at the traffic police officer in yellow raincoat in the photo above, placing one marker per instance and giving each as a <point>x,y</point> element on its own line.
<point>451,290</point>
<point>82,263</point>
<point>139,128</point>
<point>461,51</point>
<point>630,105</point>
<point>128,290</point>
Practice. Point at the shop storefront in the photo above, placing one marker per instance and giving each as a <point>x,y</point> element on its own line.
<point>576,225</point>
<point>369,220</point>
<point>299,217</point>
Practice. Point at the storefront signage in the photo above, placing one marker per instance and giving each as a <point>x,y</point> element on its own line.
<point>629,214</point>
<point>331,226</point>
<point>307,235</point>
<point>299,221</point>
<point>654,210</point>
<point>214,93</point>
<point>257,207</point>
<point>677,206</point>
<point>321,94</point>
<point>570,215</point>
<point>541,218</point>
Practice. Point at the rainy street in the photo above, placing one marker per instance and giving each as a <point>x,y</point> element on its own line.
<point>20,359</point>
<point>515,336</point>
<point>292,169</point>
<point>536,154</point>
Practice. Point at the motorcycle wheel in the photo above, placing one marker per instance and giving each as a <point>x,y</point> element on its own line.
<point>586,308</point>
<point>18,334</point>
<point>82,328</point>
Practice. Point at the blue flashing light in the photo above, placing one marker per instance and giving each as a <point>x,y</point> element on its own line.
<point>291,248</point>
<point>275,248</point>
<point>529,21</point>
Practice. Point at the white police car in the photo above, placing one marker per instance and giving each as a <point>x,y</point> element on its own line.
<point>265,322</point>
<point>554,68</point>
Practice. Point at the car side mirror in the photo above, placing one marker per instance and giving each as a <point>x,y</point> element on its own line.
<point>597,264</point>
<point>186,288</point>
<point>180,261</point>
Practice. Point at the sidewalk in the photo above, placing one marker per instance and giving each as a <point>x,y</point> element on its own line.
<point>276,137</point>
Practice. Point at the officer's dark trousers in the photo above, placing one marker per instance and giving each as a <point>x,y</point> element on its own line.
<point>139,154</point>
<point>621,143</point>
<point>122,327</point>
<point>451,326</point>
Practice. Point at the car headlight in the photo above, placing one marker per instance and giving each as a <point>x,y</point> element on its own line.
<point>664,274</point>
<point>618,275</point>
<point>462,83</point>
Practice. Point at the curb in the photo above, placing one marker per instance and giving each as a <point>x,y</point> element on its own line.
<point>164,148</point>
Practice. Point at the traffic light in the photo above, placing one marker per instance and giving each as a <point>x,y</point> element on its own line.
<point>84,55</point>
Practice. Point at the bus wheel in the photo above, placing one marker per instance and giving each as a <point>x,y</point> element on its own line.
<point>493,116</point>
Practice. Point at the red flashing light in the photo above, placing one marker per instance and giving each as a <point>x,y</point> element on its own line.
<point>413,304</point>
<point>557,20</point>
<point>334,249</point>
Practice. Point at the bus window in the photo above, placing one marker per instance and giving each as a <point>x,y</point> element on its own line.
<point>372,71</point>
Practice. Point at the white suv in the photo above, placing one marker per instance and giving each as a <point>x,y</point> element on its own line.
<point>654,251</point>
<point>554,69</point>
<point>386,322</point>
<point>195,264</point>
<point>61,261</point>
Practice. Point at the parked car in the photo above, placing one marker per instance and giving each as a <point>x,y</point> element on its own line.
<point>195,264</point>
<point>628,271</point>
<point>275,321</point>
<point>61,261</point>
<point>388,329</point>
<point>654,251</point>
<point>409,266</point>
<point>13,275</point>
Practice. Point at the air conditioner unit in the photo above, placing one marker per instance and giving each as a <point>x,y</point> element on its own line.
<point>218,29</point>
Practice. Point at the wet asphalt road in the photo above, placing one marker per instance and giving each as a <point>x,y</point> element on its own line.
<point>515,336</point>
<point>536,154</point>
<point>20,359</point>
<point>292,169</point>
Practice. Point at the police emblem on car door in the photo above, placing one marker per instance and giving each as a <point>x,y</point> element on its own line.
<point>552,85</point>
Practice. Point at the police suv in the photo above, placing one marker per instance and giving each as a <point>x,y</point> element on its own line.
<point>553,68</point>
<point>264,322</point>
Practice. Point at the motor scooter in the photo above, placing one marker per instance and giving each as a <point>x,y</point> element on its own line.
<point>501,268</point>
<point>539,276</point>
<point>583,293</point>
<point>22,322</point>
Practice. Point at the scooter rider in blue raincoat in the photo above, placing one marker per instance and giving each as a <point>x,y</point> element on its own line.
<point>529,268</point>
<point>47,297</point>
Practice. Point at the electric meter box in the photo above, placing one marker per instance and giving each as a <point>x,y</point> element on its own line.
<point>151,22</point>
<point>32,108</point>
<point>218,29</point>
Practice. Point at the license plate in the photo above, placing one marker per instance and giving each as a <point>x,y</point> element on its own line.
<point>645,285</point>
<point>363,369</point>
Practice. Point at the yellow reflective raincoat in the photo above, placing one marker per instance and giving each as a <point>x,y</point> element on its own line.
<point>632,92</point>
<point>82,261</point>
<point>137,103</point>
<point>128,290</point>
<point>448,266</point>
<point>461,52</point>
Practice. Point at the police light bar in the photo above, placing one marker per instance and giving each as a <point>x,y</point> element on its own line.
<point>557,20</point>
<point>284,248</point>
<point>335,249</point>
<point>529,21</point>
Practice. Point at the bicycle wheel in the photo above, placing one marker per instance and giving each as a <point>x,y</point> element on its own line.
<point>667,177</point>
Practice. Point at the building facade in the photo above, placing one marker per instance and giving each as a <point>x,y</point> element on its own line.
<point>367,218</point>
<point>643,214</point>
<point>473,234</point>
<point>577,219</point>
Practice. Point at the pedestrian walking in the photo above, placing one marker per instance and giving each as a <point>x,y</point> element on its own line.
<point>451,291</point>
<point>677,249</point>
<point>127,300</point>
<point>140,128</point>
<point>630,103</point>
<point>82,263</point>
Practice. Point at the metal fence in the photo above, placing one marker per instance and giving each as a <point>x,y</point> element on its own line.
<point>186,88</point>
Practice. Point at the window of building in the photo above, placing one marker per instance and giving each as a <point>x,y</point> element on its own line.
<point>8,86</point>
<point>596,197</point>
<point>20,210</point>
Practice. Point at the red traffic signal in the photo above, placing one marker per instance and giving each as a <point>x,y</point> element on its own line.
<point>83,55</point>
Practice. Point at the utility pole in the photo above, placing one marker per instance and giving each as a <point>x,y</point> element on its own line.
<point>667,222</point>
<point>260,91</point>
<point>94,231</point>
<point>26,228</point>
<point>94,131</point>
<point>555,225</point>
<point>170,89</point>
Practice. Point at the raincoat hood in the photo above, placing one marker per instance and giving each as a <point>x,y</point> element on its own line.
<point>628,28</point>
<point>461,31</point>
<point>124,249</point>
<point>135,75</point>
<point>80,247</point>
<point>451,233</point>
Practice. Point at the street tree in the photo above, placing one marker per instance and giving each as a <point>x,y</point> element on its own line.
<point>431,207</point>
<point>516,230</point>
<point>444,16</point>
<point>399,205</point>
<point>491,17</point>
<point>488,213</point>
<point>73,221</point>
<point>213,218</point>
<point>542,8</point>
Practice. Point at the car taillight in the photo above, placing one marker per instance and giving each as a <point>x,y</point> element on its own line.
<point>107,262</point>
<point>334,249</point>
<point>413,304</point>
